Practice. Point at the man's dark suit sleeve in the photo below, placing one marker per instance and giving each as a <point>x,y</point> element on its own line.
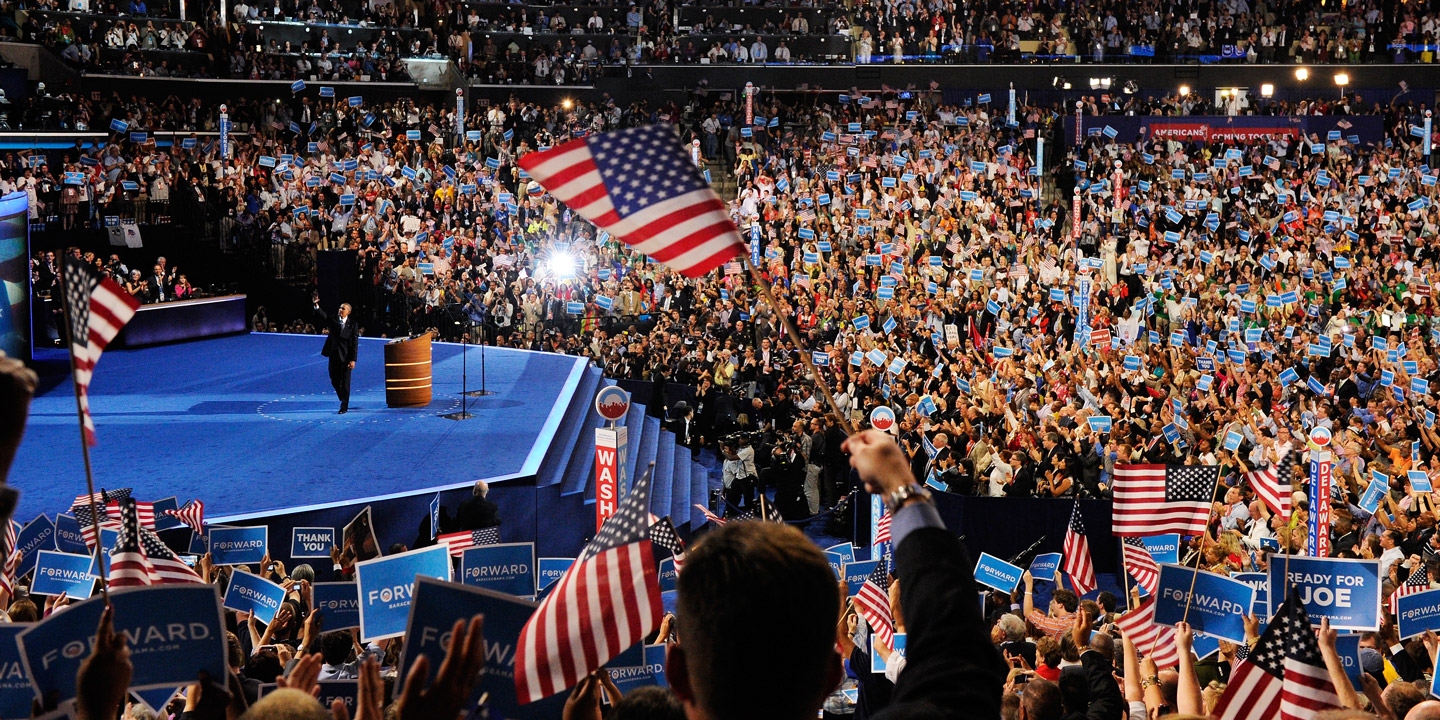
<point>951,667</point>
<point>354,340</point>
<point>1106,703</point>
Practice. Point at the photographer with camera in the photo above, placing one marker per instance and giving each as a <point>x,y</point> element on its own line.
<point>738,472</point>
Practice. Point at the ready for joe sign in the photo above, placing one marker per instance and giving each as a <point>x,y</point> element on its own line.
<point>611,468</point>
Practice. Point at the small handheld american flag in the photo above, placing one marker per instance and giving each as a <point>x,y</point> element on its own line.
<point>607,601</point>
<point>1077,554</point>
<point>139,558</point>
<point>97,308</point>
<point>459,542</point>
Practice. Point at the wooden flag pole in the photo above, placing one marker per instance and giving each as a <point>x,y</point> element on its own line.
<point>820,382</point>
<point>1200,554</point>
<point>84,443</point>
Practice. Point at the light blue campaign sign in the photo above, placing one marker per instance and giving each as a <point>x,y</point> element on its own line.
<point>551,569</point>
<point>666,574</point>
<point>174,632</point>
<point>1345,591</point>
<point>438,605</point>
<point>239,546</point>
<point>508,568</point>
<point>1217,605</point>
<point>1418,613</point>
<point>312,542</point>
<point>1164,548</point>
<point>1099,423</point>
<point>855,573</point>
<point>68,538</point>
<point>37,535</point>
<point>1419,480</point>
<point>15,690</point>
<point>1043,567</point>
<point>57,572</point>
<point>388,583</point>
<point>1261,583</point>
<point>996,573</point>
<point>845,550</point>
<point>1347,646</point>
<point>1374,492</point>
<point>837,563</point>
<point>878,664</point>
<point>254,594</point>
<point>338,603</point>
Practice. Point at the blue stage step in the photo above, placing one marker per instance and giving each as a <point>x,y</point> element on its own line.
<point>635,421</point>
<point>580,472</point>
<point>664,485</point>
<point>699,493</point>
<point>562,446</point>
<point>648,446</point>
<point>680,497</point>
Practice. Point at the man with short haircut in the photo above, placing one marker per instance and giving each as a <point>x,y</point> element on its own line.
<point>730,591</point>
<point>1061,613</point>
<point>341,346</point>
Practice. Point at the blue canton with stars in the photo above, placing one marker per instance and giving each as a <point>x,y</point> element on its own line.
<point>1190,483</point>
<point>643,166</point>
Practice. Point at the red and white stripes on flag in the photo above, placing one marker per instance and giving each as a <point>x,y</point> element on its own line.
<point>97,308</point>
<point>193,515</point>
<point>882,529</point>
<point>1163,499</point>
<point>459,542</point>
<point>1267,485</point>
<point>712,517</point>
<point>143,510</point>
<point>1140,564</point>
<point>139,558</point>
<point>1417,582</point>
<point>640,186</point>
<point>1284,675</point>
<point>607,601</point>
<point>1154,641</point>
<point>1076,552</point>
<point>872,601</point>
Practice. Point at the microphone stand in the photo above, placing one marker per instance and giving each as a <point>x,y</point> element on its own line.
<point>464,412</point>
<point>482,391</point>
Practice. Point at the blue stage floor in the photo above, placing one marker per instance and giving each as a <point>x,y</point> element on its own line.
<point>248,424</point>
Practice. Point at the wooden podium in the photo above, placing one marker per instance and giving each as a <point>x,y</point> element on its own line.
<point>407,372</point>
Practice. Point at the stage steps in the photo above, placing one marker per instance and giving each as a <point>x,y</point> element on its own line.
<point>680,498</point>
<point>699,493</point>
<point>580,472</point>
<point>562,446</point>
<point>663,490</point>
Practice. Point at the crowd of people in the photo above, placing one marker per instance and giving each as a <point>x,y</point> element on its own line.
<point>540,44</point>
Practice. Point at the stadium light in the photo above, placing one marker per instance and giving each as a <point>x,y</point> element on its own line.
<point>1342,79</point>
<point>1184,90</point>
<point>561,265</point>
<point>1302,74</point>
<point>1267,89</point>
<point>566,103</point>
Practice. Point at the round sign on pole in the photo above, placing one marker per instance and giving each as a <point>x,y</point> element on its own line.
<point>1320,437</point>
<point>882,418</point>
<point>612,403</point>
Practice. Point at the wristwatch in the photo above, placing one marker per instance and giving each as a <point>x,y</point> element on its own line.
<point>895,499</point>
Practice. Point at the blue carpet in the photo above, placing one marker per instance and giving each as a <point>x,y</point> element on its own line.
<point>248,424</point>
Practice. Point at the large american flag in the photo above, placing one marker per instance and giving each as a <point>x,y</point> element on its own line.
<point>1162,499</point>
<point>459,542</point>
<point>1284,676</point>
<point>639,185</point>
<point>139,558</point>
<point>872,601</point>
<point>97,309</point>
<point>1266,482</point>
<point>1140,564</point>
<point>1418,582</point>
<point>1077,554</point>
<point>607,601</point>
<point>1154,641</point>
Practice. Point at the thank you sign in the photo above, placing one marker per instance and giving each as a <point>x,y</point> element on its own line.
<point>312,542</point>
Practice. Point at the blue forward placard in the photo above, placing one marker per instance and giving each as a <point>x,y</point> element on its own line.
<point>508,568</point>
<point>387,585</point>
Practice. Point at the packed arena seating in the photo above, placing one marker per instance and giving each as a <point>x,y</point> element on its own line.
<point>546,44</point>
<point>1250,269</point>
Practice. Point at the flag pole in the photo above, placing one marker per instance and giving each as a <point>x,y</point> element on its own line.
<point>799,346</point>
<point>84,442</point>
<point>1200,554</point>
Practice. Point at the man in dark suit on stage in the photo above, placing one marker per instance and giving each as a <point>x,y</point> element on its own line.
<point>341,346</point>
<point>727,593</point>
